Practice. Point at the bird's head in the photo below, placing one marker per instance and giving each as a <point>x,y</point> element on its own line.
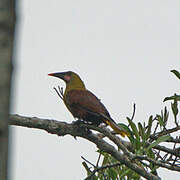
<point>71,79</point>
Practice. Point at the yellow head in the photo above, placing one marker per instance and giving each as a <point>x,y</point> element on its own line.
<point>72,80</point>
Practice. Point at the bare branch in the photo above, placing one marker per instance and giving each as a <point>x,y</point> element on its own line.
<point>167,150</point>
<point>88,161</point>
<point>100,169</point>
<point>168,131</point>
<point>159,163</point>
<point>165,132</point>
<point>97,164</point>
<point>134,111</point>
<point>62,129</point>
<point>59,92</point>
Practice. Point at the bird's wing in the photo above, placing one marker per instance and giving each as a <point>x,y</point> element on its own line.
<point>86,100</point>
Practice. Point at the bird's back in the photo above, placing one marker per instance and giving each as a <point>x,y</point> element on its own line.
<point>84,105</point>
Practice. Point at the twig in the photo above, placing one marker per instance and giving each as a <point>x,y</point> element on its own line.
<point>134,111</point>
<point>100,169</point>
<point>133,114</point>
<point>97,164</point>
<point>60,92</point>
<point>108,134</point>
<point>168,131</point>
<point>159,163</point>
<point>175,160</point>
<point>155,129</point>
<point>167,150</point>
<point>88,161</point>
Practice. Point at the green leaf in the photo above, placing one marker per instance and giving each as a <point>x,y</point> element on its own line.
<point>133,175</point>
<point>174,108</point>
<point>141,130</point>
<point>148,132</point>
<point>150,154</point>
<point>136,142</point>
<point>106,158</point>
<point>165,116</point>
<point>134,128</point>
<point>177,97</point>
<point>154,168</point>
<point>160,120</point>
<point>143,135</point>
<point>124,173</point>
<point>159,140</point>
<point>131,137</point>
<point>176,73</point>
<point>125,127</point>
<point>86,167</point>
<point>112,173</point>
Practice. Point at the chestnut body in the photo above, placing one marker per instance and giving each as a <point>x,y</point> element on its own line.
<point>83,104</point>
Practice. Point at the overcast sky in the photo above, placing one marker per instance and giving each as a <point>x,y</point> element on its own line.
<point>123,51</point>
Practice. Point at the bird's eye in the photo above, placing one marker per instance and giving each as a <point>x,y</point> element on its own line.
<point>67,78</point>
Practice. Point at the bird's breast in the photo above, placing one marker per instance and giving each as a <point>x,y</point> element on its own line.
<point>82,103</point>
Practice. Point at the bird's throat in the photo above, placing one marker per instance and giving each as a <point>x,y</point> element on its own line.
<point>74,85</point>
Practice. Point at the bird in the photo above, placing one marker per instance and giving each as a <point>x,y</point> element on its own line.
<point>83,104</point>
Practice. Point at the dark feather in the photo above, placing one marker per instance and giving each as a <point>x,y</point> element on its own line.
<point>86,106</point>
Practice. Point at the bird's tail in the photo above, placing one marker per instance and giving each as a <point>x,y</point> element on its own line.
<point>115,127</point>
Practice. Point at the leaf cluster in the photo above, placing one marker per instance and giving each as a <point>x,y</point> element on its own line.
<point>144,139</point>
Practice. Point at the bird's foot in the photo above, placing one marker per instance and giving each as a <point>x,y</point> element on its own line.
<point>80,124</point>
<point>87,131</point>
<point>102,125</point>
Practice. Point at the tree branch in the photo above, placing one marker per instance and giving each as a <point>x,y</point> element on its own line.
<point>159,163</point>
<point>63,128</point>
<point>165,132</point>
<point>100,169</point>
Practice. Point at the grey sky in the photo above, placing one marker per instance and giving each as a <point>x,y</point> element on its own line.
<point>123,50</point>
